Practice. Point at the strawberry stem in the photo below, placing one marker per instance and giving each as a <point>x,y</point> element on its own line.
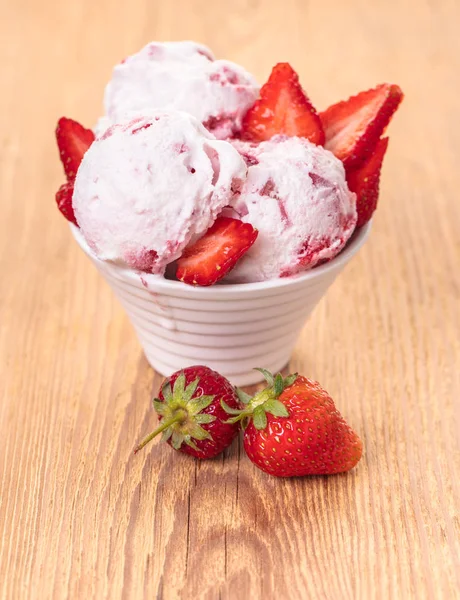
<point>265,401</point>
<point>179,417</point>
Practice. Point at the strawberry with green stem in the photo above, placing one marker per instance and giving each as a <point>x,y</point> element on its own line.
<point>292,428</point>
<point>192,419</point>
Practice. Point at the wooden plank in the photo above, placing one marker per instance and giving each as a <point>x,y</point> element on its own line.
<point>80,516</point>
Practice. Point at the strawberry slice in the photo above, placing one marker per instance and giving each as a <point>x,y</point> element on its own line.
<point>365,182</point>
<point>64,201</point>
<point>210,258</point>
<point>354,126</point>
<point>73,141</point>
<point>283,107</point>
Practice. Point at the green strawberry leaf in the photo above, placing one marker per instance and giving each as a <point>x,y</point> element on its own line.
<point>243,397</point>
<point>267,376</point>
<point>290,380</point>
<point>159,406</point>
<point>278,386</point>
<point>228,409</point>
<point>204,418</point>
<point>177,439</point>
<point>259,418</point>
<point>179,386</point>
<point>197,432</point>
<point>196,405</point>
<point>276,408</point>
<point>167,392</point>
<point>167,433</point>
<point>190,443</point>
<point>233,420</point>
<point>190,390</point>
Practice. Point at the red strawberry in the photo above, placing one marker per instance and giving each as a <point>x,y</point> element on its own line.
<point>191,416</point>
<point>64,201</point>
<point>283,107</point>
<point>73,141</point>
<point>216,253</point>
<point>293,428</point>
<point>354,126</point>
<point>365,182</point>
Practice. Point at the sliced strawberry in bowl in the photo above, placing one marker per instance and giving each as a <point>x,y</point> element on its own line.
<point>64,201</point>
<point>210,258</point>
<point>365,183</point>
<point>283,108</point>
<point>73,141</point>
<point>353,127</point>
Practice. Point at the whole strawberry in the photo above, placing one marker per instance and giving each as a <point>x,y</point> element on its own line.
<point>191,416</point>
<point>292,428</point>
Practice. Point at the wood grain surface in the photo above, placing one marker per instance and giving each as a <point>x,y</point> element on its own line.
<point>80,516</point>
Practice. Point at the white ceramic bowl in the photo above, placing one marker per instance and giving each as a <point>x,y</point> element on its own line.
<point>230,328</point>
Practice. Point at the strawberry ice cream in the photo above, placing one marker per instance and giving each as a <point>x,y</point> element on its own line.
<point>181,76</point>
<point>297,197</point>
<point>197,170</point>
<point>150,185</point>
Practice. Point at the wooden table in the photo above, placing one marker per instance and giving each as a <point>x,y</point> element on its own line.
<point>80,516</point>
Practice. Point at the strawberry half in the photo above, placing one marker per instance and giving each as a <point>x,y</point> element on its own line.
<point>283,108</point>
<point>365,183</point>
<point>210,258</point>
<point>354,126</point>
<point>64,201</point>
<point>73,141</point>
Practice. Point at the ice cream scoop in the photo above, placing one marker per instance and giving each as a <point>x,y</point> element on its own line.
<point>150,185</point>
<point>297,197</point>
<point>181,76</point>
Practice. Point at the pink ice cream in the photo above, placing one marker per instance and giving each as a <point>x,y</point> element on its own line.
<point>296,195</point>
<point>150,185</point>
<point>181,76</point>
